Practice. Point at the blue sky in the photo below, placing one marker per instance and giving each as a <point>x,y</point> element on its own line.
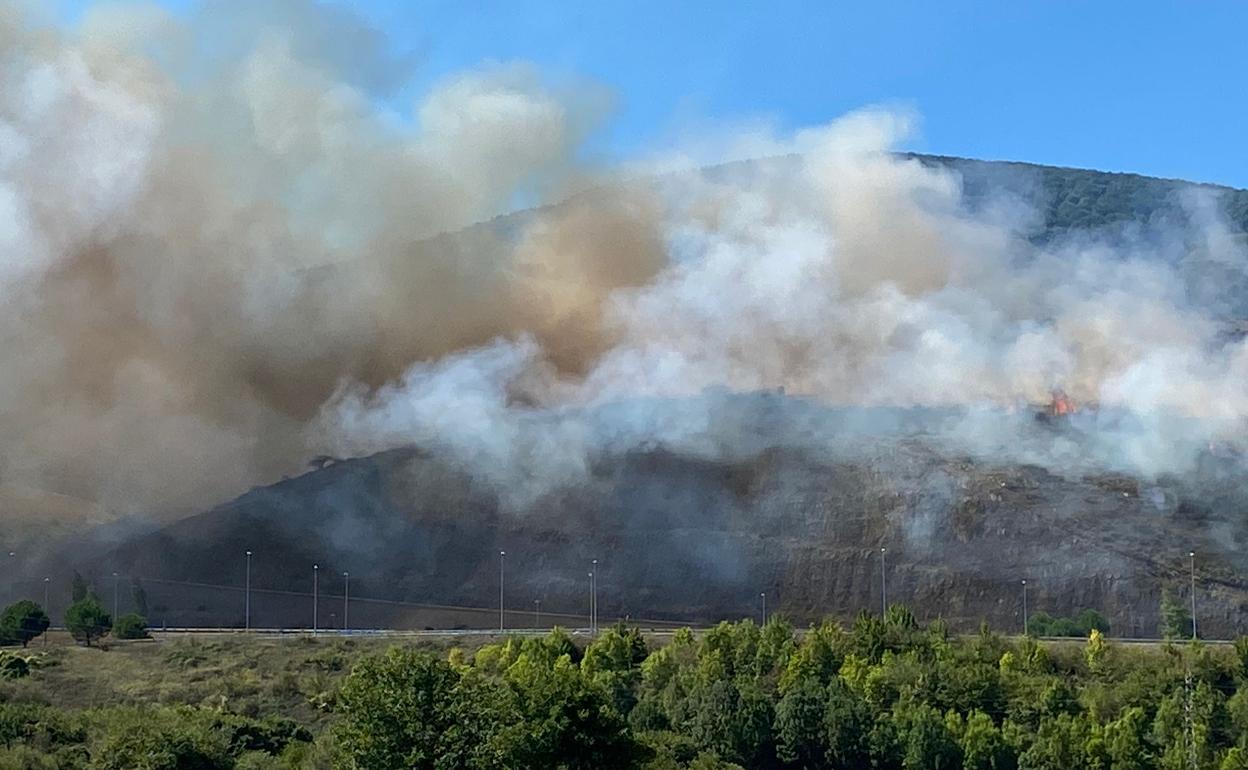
<point>1152,87</point>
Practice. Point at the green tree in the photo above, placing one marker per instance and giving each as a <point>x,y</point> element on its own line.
<point>1190,721</point>
<point>87,620</point>
<point>138,595</point>
<point>23,621</point>
<point>1126,740</point>
<point>819,655</point>
<point>78,587</point>
<point>1096,652</point>
<point>1058,745</point>
<point>614,661</point>
<point>394,708</point>
<point>1176,621</point>
<point>130,626</point>
<point>983,746</point>
<point>1241,655</point>
<point>1235,759</point>
<point>884,744</point>
<point>926,741</point>
<point>847,726</point>
<point>160,739</point>
<point>484,717</point>
<point>566,720</point>
<point>799,725</point>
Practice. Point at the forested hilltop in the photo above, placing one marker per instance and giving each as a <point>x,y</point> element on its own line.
<point>1077,199</point>
<point>884,693</point>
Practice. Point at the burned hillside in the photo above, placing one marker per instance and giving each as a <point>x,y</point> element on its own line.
<point>686,535</point>
<point>719,374</point>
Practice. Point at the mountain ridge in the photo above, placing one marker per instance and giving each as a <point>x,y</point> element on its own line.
<point>686,537</point>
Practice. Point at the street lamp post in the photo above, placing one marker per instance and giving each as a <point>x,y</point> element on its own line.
<point>763,596</point>
<point>346,601</point>
<point>47,607</point>
<point>537,613</point>
<point>316,577</point>
<point>883,586</point>
<point>1024,607</point>
<point>247,598</point>
<point>502,555</point>
<point>116,591</point>
<point>1192,555</point>
<point>593,594</point>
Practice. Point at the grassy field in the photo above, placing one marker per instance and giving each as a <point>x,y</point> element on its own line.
<point>240,674</point>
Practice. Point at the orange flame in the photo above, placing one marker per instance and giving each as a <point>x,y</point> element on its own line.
<point>1061,404</point>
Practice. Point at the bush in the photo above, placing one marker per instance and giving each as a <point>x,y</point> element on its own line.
<point>87,620</point>
<point>394,709</point>
<point>1082,624</point>
<point>22,621</point>
<point>148,739</point>
<point>13,666</point>
<point>131,626</point>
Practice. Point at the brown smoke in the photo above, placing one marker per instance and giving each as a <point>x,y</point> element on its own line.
<point>197,253</point>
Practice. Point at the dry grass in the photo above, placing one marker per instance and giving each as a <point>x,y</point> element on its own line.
<point>234,673</point>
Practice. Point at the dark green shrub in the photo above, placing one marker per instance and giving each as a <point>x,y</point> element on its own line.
<point>21,622</point>
<point>131,626</point>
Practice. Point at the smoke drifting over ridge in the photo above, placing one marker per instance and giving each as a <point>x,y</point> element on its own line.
<point>218,256</point>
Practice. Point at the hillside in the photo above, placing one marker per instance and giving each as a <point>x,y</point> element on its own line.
<point>1072,199</point>
<point>681,537</point>
<point>689,536</point>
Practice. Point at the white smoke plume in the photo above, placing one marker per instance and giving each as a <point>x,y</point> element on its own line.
<point>857,278</point>
<point>221,254</point>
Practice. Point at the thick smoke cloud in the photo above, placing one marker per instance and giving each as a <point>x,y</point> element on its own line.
<point>856,278</point>
<point>206,230</point>
<point>219,255</point>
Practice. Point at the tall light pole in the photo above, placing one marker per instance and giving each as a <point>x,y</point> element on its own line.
<point>47,581</point>
<point>346,600</point>
<point>883,586</point>
<point>763,596</point>
<point>593,592</point>
<point>1192,555</point>
<point>537,613</point>
<point>502,555</point>
<point>247,600</point>
<point>1024,607</point>
<point>591,602</point>
<point>116,590</point>
<point>316,605</point>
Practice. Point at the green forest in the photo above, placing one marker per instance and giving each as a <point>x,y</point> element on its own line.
<point>1075,199</point>
<point>885,692</point>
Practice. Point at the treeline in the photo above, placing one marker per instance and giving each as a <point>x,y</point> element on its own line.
<point>884,693</point>
<point>85,620</point>
<point>1073,199</point>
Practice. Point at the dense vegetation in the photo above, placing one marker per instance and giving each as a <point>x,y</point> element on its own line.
<point>1075,199</point>
<point>1081,625</point>
<point>884,693</point>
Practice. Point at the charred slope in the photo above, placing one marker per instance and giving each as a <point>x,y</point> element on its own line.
<point>686,538</point>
